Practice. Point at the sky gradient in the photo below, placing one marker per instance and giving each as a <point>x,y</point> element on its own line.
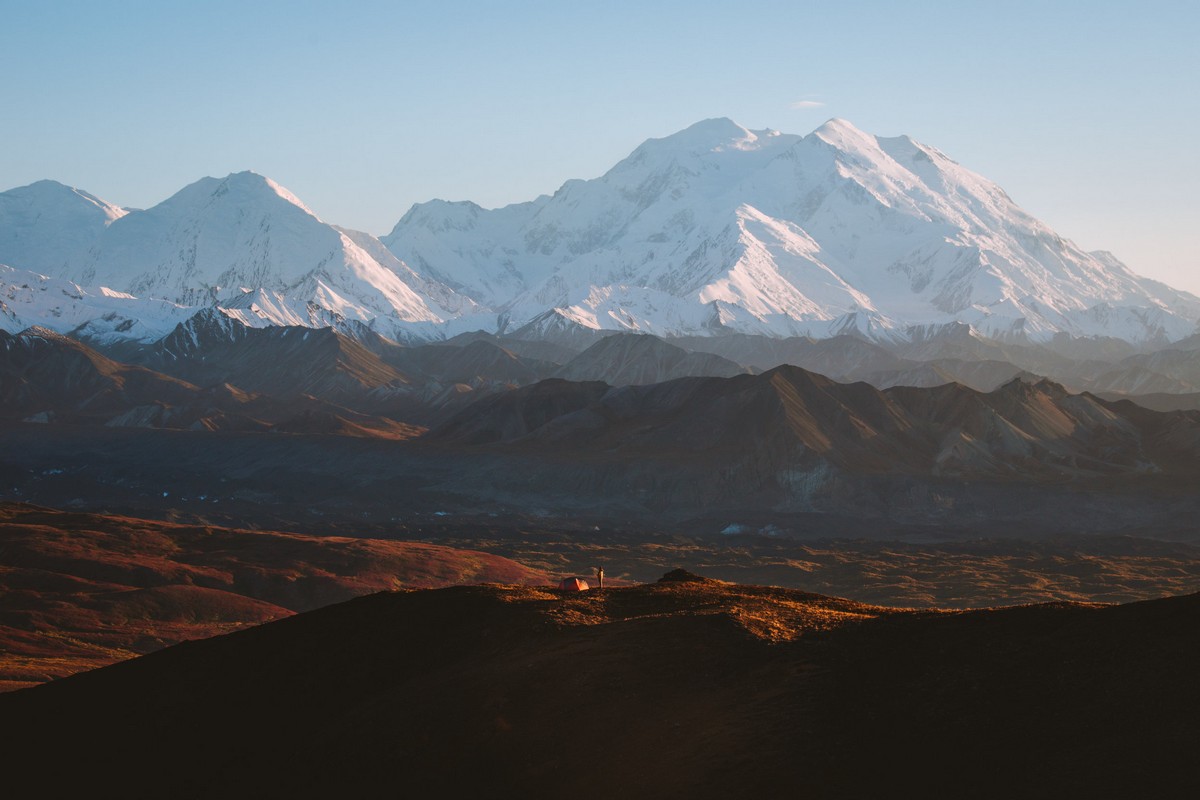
<point>1085,113</point>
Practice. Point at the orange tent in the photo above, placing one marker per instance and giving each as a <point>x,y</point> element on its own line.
<point>573,585</point>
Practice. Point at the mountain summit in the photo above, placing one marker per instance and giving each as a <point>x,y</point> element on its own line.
<point>719,226</point>
<point>221,239</point>
<point>242,242</point>
<point>44,225</point>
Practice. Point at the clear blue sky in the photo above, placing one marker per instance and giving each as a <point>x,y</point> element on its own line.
<point>1086,112</point>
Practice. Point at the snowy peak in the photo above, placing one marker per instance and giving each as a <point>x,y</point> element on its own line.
<point>42,196</point>
<point>715,136</point>
<point>843,135</point>
<point>715,229</point>
<point>253,182</point>
<point>219,239</point>
<point>722,227</point>
<point>46,226</point>
<point>703,137</point>
<point>442,215</point>
<point>245,189</point>
<point>243,242</point>
<point>709,144</point>
<point>211,238</point>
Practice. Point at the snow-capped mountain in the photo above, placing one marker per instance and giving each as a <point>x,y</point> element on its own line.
<point>221,240</point>
<point>762,232</point>
<point>243,243</point>
<point>29,299</point>
<point>714,229</point>
<point>46,225</point>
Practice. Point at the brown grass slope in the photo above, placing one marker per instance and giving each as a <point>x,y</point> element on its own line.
<point>78,591</point>
<point>679,689</point>
<point>977,573</point>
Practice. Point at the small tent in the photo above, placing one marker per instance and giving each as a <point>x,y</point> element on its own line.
<point>573,585</point>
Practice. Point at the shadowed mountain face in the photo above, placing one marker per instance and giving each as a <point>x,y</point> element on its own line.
<point>368,373</point>
<point>627,358</point>
<point>1159,402</point>
<point>687,687</point>
<point>45,377</point>
<point>958,354</point>
<point>840,357</point>
<point>41,371</point>
<point>469,363</point>
<point>792,419</point>
<point>211,348</point>
<point>285,369</point>
<point>1175,370</point>
<point>78,591</point>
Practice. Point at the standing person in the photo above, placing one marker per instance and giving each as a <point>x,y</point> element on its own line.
<point>600,577</point>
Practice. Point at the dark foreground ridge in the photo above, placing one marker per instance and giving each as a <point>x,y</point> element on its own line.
<point>675,689</point>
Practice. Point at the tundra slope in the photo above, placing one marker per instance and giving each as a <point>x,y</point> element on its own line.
<point>84,590</point>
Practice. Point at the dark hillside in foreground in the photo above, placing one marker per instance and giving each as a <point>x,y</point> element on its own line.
<point>682,688</point>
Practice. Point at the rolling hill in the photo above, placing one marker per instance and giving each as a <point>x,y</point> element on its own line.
<point>684,687</point>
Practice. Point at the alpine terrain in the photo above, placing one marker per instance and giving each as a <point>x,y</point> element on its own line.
<point>715,229</point>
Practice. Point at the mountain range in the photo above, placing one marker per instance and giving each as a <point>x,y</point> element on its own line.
<point>714,230</point>
<point>401,432</point>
